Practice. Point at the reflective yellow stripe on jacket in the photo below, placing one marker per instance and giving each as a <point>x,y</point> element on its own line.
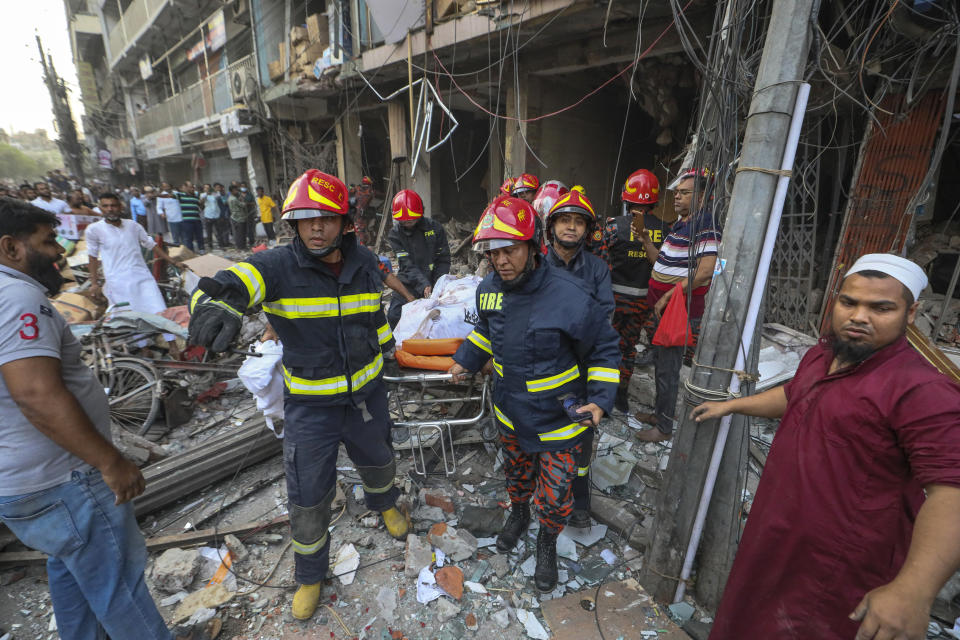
<point>567,432</point>
<point>334,385</point>
<point>498,367</point>
<point>384,333</point>
<point>480,341</point>
<point>252,280</point>
<point>552,382</point>
<point>502,418</point>
<point>603,374</point>
<point>195,299</point>
<point>324,307</point>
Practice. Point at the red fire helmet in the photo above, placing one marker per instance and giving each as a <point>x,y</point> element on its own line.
<point>407,205</point>
<point>573,202</point>
<point>642,187</point>
<point>316,194</point>
<point>525,182</point>
<point>506,221</point>
<point>507,185</point>
<point>548,193</point>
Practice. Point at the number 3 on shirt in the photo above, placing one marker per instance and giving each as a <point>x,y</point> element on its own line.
<point>30,329</point>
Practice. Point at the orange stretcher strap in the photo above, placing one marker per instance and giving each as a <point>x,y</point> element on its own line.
<point>432,363</point>
<point>432,347</point>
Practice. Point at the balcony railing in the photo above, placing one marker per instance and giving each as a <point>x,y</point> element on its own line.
<point>208,97</point>
<point>139,14</point>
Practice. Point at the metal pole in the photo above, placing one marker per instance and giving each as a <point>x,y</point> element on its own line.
<point>753,312</point>
<point>413,132</point>
<point>785,53</point>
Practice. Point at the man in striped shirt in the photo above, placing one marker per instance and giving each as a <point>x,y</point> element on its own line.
<point>191,227</point>
<point>687,257</point>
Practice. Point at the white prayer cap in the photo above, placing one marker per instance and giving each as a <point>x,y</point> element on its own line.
<point>907,272</point>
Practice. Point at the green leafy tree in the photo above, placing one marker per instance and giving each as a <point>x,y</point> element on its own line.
<point>15,165</point>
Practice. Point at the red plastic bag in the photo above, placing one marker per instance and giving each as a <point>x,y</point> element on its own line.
<point>673,330</point>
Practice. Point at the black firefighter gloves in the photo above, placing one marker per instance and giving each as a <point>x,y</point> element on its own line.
<point>214,324</point>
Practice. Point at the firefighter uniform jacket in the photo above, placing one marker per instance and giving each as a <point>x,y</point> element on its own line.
<point>422,253</point>
<point>630,268</point>
<point>333,329</point>
<point>593,271</point>
<point>548,338</point>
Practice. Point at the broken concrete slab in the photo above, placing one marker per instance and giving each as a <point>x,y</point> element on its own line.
<point>387,603</point>
<point>418,555</point>
<point>210,597</point>
<point>458,544</point>
<point>499,564</point>
<point>175,569</point>
<point>482,521</point>
<point>501,618</point>
<point>237,549</point>
<point>446,610</point>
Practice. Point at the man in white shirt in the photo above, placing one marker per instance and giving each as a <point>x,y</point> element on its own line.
<point>168,208</point>
<point>115,242</point>
<point>45,200</point>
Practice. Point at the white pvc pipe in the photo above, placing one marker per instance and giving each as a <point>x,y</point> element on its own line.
<point>749,328</point>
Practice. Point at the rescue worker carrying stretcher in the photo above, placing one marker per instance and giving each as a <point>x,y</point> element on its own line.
<point>569,223</point>
<point>554,358</point>
<point>420,244</point>
<point>629,244</point>
<point>321,294</point>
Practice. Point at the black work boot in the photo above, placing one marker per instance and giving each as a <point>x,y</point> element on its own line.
<point>515,526</point>
<point>580,518</point>
<point>620,401</point>
<point>545,577</point>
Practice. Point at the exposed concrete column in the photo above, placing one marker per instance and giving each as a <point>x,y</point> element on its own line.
<point>349,165</point>
<point>523,102</point>
<point>257,168</point>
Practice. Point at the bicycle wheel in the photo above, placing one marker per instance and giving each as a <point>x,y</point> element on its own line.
<point>133,393</point>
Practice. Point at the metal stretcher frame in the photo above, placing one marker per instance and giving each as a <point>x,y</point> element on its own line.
<point>427,428</point>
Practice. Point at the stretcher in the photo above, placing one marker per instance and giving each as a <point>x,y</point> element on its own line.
<point>463,406</point>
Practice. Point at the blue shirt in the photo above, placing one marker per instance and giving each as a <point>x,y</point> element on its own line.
<point>211,206</point>
<point>137,208</point>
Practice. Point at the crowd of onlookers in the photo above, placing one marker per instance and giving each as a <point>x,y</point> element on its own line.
<point>219,215</point>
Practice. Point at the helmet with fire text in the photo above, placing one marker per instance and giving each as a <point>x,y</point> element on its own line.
<point>506,221</point>
<point>315,194</point>
<point>573,202</point>
<point>642,187</point>
<point>407,205</point>
<point>548,193</point>
<point>525,182</point>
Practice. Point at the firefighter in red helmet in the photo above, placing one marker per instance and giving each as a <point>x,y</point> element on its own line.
<point>627,243</point>
<point>321,294</point>
<point>525,187</point>
<point>420,245</point>
<point>554,356</point>
<point>569,223</point>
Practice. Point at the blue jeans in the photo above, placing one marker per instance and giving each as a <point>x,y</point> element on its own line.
<point>175,232</point>
<point>191,232</point>
<point>97,557</point>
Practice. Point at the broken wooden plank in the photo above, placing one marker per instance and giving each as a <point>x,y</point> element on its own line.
<point>159,543</point>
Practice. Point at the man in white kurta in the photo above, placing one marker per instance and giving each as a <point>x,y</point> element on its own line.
<point>115,243</point>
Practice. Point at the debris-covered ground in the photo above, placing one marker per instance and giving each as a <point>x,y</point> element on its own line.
<point>214,517</point>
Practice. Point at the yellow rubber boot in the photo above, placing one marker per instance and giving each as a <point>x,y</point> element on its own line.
<point>305,600</point>
<point>396,523</point>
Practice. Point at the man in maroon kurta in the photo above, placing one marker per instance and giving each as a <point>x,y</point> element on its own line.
<point>841,543</point>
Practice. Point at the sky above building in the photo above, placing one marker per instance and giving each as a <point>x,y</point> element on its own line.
<point>26,103</point>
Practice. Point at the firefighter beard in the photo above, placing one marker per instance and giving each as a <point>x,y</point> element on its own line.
<point>312,437</point>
